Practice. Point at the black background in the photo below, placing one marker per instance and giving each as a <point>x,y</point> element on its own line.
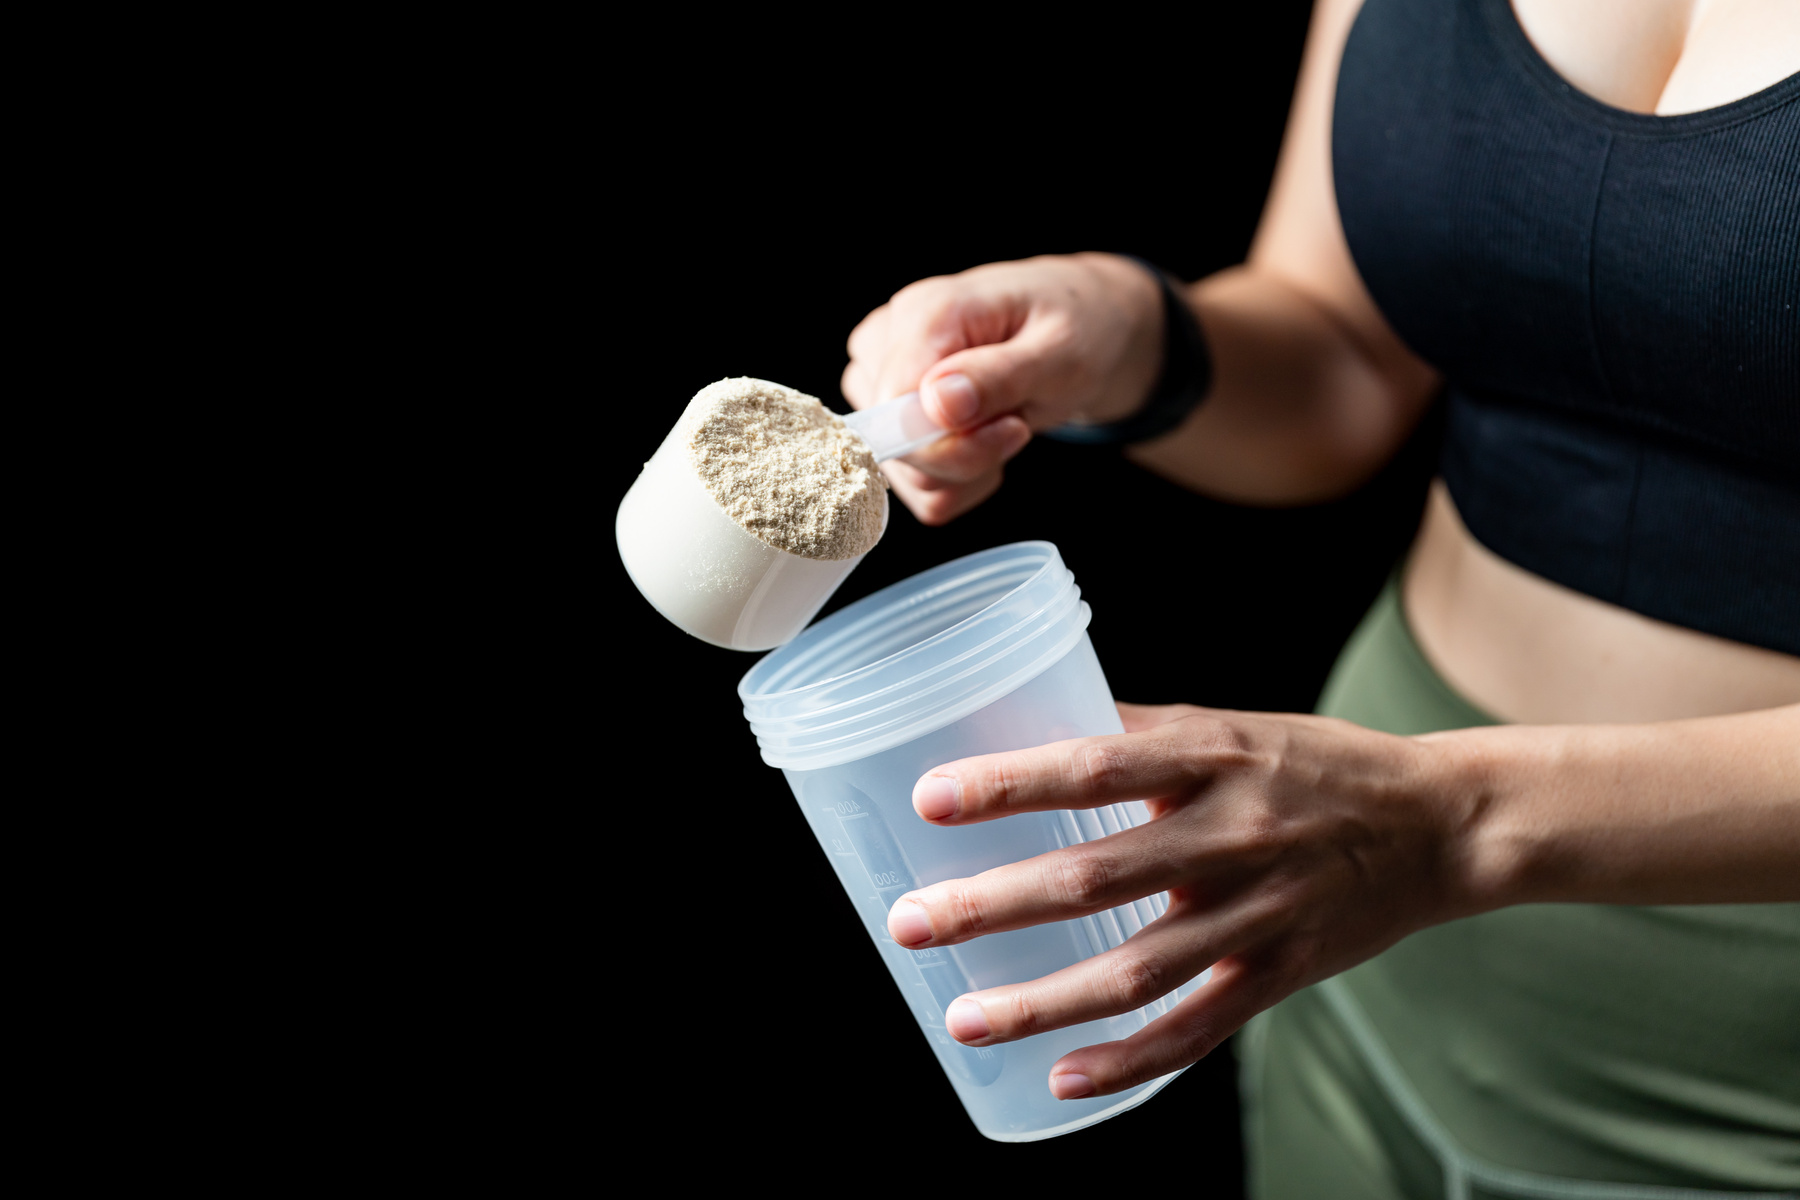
<point>749,241</point>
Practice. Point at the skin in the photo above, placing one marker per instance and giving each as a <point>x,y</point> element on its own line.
<point>1295,847</point>
<point>1651,764</point>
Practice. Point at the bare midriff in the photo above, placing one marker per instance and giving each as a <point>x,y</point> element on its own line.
<point>1513,643</point>
<point>1531,651</point>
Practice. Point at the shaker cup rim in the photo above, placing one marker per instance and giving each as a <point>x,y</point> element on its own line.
<point>926,680</point>
<point>930,702</point>
<point>914,656</point>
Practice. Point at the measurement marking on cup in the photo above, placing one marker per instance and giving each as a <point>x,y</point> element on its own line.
<point>839,846</point>
<point>935,977</point>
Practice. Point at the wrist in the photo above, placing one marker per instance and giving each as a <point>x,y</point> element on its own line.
<point>1136,300</point>
<point>1493,855</point>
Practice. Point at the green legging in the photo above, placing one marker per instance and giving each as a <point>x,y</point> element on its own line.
<point>1547,1050</point>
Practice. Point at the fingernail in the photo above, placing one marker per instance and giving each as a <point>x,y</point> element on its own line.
<point>908,924</point>
<point>936,797</point>
<point>1071,1086</point>
<point>965,1021</point>
<point>956,398</point>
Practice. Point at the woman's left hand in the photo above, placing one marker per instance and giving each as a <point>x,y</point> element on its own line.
<point>1291,847</point>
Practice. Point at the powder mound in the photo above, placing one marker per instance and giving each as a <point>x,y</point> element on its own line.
<point>786,468</point>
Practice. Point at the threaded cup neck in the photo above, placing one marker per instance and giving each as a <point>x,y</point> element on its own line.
<point>914,657</point>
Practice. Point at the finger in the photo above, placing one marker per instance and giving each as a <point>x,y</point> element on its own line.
<point>1236,992</point>
<point>1138,717</point>
<point>1058,886</point>
<point>857,384</point>
<point>1158,959</point>
<point>937,501</point>
<point>906,478</point>
<point>986,381</point>
<point>1177,757</point>
<point>867,346</point>
<point>974,454</point>
<point>867,341</point>
<point>924,331</point>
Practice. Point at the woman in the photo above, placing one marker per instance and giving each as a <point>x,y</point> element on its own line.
<point>1568,773</point>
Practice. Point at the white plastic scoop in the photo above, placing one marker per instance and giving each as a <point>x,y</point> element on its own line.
<point>714,578</point>
<point>896,428</point>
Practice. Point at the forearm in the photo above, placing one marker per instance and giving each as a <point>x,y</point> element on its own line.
<point>1299,410</point>
<point>1679,812</point>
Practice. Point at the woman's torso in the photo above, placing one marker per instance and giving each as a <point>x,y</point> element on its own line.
<point>1533,652</point>
<point>1663,422</point>
<point>1588,419</point>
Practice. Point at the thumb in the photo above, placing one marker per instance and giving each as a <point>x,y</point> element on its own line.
<point>976,385</point>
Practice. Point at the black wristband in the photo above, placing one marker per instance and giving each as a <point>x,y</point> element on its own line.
<point>1186,375</point>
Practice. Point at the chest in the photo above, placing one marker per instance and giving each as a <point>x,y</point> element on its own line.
<point>1537,245</point>
<point>1665,56</point>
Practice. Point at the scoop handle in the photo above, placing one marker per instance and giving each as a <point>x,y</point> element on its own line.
<point>896,428</point>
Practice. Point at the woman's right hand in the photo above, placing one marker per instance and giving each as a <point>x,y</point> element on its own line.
<point>1000,352</point>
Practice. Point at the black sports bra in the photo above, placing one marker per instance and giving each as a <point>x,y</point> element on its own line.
<point>1614,299</point>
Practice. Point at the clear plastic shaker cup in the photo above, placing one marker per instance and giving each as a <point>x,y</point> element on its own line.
<point>983,654</point>
<point>714,578</point>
